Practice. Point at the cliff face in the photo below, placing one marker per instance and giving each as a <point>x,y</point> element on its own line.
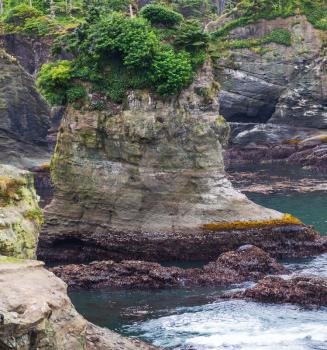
<point>274,93</point>
<point>142,183</point>
<point>20,215</point>
<point>25,117</point>
<point>278,84</point>
<point>36,313</point>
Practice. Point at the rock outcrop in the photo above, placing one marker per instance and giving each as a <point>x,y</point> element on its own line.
<point>25,117</point>
<point>36,313</point>
<point>142,183</point>
<point>284,86</point>
<point>20,215</point>
<point>302,290</point>
<point>31,52</point>
<point>246,264</point>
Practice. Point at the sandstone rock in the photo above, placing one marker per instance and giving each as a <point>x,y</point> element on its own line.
<point>249,263</point>
<point>24,117</point>
<point>299,290</point>
<point>20,215</point>
<point>37,314</point>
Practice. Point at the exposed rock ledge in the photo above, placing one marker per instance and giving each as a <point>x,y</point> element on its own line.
<point>299,290</point>
<point>36,313</point>
<point>247,263</point>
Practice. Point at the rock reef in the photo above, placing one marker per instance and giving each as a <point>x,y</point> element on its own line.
<point>248,263</point>
<point>307,291</point>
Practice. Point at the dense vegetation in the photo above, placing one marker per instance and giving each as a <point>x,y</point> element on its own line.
<point>114,52</point>
<point>250,11</point>
<point>113,46</point>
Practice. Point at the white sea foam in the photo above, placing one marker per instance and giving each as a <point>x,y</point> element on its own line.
<point>239,325</point>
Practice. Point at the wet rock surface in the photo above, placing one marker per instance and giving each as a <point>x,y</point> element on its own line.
<point>268,143</point>
<point>280,242</point>
<point>247,263</point>
<point>259,181</point>
<point>302,290</point>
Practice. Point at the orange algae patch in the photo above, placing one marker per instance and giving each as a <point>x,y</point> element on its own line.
<point>292,142</point>
<point>323,139</point>
<point>45,167</point>
<point>287,219</point>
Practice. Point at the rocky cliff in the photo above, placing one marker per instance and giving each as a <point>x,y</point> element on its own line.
<point>275,87</point>
<point>36,313</point>
<point>25,117</point>
<point>146,182</point>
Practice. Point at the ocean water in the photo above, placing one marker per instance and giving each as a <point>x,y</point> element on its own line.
<point>195,319</point>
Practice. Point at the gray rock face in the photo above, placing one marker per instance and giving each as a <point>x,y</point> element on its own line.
<point>36,313</point>
<point>281,85</point>
<point>31,53</point>
<point>25,117</point>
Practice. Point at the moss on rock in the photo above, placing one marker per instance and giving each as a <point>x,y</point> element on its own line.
<point>20,216</point>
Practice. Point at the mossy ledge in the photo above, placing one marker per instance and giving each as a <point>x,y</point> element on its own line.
<point>287,219</point>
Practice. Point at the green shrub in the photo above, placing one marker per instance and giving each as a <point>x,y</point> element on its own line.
<point>170,71</point>
<point>54,80</point>
<point>194,8</point>
<point>191,36</point>
<point>132,38</point>
<point>18,15</point>
<point>279,36</point>
<point>159,14</point>
<point>37,26</point>
<point>75,92</point>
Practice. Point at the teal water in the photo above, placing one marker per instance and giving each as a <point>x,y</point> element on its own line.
<point>310,207</point>
<point>192,319</point>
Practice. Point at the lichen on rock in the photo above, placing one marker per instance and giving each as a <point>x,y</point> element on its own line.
<point>20,215</point>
